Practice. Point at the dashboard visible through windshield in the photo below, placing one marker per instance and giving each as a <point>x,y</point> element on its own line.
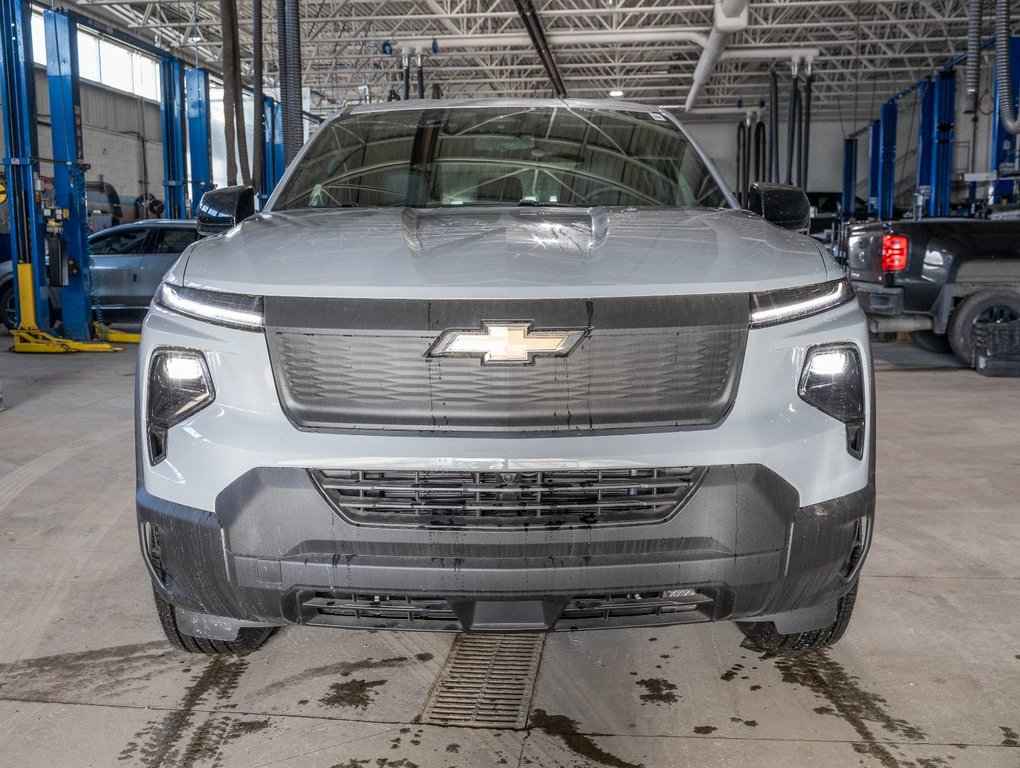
<point>541,156</point>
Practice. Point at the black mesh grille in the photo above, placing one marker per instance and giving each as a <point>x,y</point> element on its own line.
<point>645,363</point>
<point>576,612</point>
<point>573,496</point>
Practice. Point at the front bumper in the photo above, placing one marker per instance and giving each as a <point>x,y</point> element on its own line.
<point>877,299</point>
<point>244,534</point>
<point>274,551</point>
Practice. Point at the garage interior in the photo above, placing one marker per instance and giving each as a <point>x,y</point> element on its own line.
<point>125,112</point>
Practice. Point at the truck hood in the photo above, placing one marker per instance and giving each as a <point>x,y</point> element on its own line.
<point>503,253</point>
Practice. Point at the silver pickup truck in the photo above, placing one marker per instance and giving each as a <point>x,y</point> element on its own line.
<point>503,366</point>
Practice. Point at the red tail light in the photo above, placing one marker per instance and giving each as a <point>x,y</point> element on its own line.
<point>894,253</point>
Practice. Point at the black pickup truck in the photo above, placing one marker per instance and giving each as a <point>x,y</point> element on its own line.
<point>936,278</point>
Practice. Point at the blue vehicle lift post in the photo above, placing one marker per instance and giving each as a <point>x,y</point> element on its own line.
<point>274,163</point>
<point>944,109</point>
<point>887,159</point>
<point>1003,145</point>
<point>17,92</point>
<point>925,144</point>
<point>874,152</point>
<point>173,114</point>
<point>21,143</point>
<point>196,91</point>
<point>69,171</point>
<point>849,176</point>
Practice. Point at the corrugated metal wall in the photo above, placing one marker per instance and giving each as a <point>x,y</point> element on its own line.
<point>116,128</point>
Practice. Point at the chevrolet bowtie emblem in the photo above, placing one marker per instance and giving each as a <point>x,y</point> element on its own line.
<point>507,343</point>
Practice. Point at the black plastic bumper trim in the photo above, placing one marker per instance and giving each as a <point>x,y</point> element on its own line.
<point>273,541</point>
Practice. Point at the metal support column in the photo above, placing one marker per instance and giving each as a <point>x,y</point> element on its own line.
<point>196,92</point>
<point>849,176</point>
<point>17,92</point>
<point>1003,146</point>
<point>942,155</point>
<point>173,113</point>
<point>887,160</point>
<point>925,147</point>
<point>69,171</point>
<point>874,152</point>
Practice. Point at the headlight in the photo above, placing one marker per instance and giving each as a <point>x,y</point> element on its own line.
<point>234,310</point>
<point>782,306</point>
<point>833,382</point>
<point>179,386</point>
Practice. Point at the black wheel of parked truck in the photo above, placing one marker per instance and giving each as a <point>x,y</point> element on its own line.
<point>248,638</point>
<point>763,635</point>
<point>998,306</point>
<point>930,341</point>
<point>8,313</point>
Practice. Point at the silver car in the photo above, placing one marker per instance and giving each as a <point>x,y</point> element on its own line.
<point>504,366</point>
<point>128,263</point>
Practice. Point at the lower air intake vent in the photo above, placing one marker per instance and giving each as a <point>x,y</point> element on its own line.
<point>559,497</point>
<point>559,613</point>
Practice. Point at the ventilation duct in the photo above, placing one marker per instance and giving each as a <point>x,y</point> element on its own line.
<point>258,111</point>
<point>526,9</point>
<point>288,21</point>
<point>730,16</point>
<point>973,78</point>
<point>773,174</point>
<point>1003,75</point>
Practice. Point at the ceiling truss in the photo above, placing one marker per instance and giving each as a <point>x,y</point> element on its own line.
<point>868,49</point>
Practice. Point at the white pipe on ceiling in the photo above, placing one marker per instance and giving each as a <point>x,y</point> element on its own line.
<point>757,54</point>
<point>621,37</point>
<point>734,16</point>
<point>562,38</point>
<point>730,16</point>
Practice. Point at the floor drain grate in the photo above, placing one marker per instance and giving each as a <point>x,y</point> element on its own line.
<point>487,682</point>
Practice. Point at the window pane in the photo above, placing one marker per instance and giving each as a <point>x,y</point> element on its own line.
<point>217,136</point>
<point>115,66</point>
<point>146,77</point>
<point>175,240</point>
<point>88,56</point>
<point>38,40</point>
<point>121,242</point>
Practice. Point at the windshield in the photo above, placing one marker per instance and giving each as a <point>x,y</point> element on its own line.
<point>501,156</point>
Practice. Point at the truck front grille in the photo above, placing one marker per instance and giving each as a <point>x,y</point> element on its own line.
<point>559,497</point>
<point>644,363</point>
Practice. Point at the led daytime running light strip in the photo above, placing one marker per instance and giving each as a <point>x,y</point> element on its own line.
<point>840,294</point>
<point>212,306</point>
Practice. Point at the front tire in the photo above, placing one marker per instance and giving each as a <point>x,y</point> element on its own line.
<point>997,306</point>
<point>248,638</point>
<point>8,311</point>
<point>763,635</point>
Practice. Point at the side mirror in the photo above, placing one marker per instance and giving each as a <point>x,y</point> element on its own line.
<point>784,205</point>
<point>220,209</point>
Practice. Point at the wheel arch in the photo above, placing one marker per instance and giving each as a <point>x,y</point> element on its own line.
<point>971,277</point>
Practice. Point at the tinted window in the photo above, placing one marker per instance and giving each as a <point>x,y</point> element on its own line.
<point>175,240</point>
<point>501,156</point>
<point>130,241</point>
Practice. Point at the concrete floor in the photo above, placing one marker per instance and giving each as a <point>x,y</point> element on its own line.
<point>928,674</point>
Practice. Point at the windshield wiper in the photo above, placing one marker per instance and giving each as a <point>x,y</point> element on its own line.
<point>549,204</point>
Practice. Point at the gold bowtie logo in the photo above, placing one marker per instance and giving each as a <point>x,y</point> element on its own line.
<point>507,343</point>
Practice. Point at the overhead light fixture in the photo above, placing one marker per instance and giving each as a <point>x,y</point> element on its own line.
<point>615,94</point>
